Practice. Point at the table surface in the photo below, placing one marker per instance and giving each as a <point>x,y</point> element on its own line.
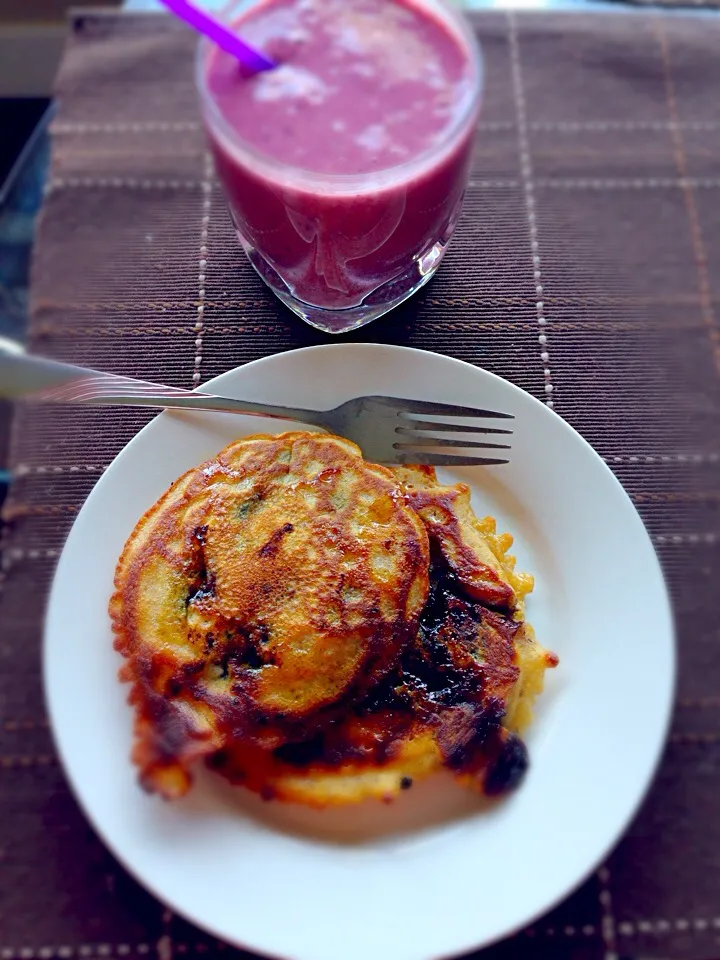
<point>599,150</point>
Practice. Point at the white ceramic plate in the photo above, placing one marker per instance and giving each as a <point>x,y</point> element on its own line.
<point>433,874</point>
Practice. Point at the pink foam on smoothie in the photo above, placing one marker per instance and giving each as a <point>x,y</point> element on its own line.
<point>361,85</point>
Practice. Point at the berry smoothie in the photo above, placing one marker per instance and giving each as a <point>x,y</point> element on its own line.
<point>345,166</point>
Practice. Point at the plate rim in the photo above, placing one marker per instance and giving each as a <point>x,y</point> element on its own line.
<point>544,904</point>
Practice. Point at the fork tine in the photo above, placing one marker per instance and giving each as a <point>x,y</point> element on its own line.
<point>414,425</point>
<point>406,407</point>
<point>443,460</point>
<point>449,442</point>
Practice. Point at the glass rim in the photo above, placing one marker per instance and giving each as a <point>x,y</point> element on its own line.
<point>294,176</point>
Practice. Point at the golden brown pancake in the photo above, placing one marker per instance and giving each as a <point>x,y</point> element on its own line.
<point>460,695</point>
<point>267,590</point>
<point>324,630</point>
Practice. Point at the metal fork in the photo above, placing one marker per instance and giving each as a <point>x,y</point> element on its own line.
<point>388,430</point>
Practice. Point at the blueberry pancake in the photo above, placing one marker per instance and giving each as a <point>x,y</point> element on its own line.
<point>323,630</point>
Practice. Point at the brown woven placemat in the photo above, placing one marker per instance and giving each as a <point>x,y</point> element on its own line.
<point>586,269</point>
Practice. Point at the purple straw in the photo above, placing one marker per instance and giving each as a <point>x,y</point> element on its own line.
<point>204,23</point>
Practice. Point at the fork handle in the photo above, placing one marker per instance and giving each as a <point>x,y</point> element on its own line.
<point>36,378</point>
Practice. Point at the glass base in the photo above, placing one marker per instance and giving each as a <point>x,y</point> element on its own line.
<point>384,298</point>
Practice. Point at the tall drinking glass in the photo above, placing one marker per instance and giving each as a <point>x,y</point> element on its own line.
<point>345,167</point>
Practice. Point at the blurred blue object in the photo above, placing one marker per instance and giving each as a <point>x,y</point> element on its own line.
<point>20,200</point>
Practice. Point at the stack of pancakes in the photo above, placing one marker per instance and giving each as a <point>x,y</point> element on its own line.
<point>323,629</point>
